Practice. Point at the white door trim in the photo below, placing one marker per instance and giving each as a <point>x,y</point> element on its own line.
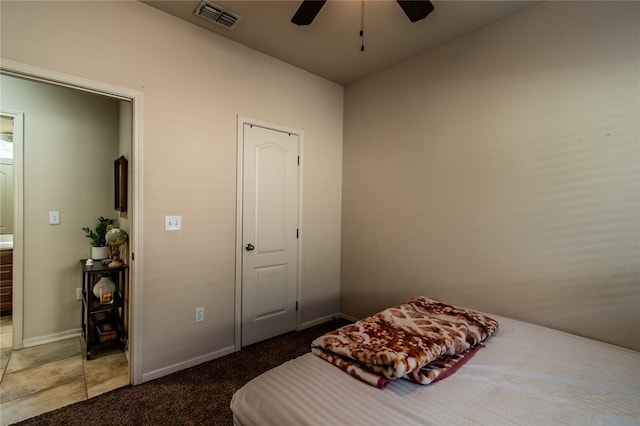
<point>242,120</point>
<point>18,251</point>
<point>10,67</point>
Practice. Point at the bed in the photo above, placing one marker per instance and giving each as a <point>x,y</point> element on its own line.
<point>523,374</point>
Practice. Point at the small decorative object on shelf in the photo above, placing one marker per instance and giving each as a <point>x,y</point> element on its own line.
<point>97,235</point>
<point>104,290</point>
<point>101,316</point>
<point>106,332</point>
<point>115,238</point>
<point>107,296</point>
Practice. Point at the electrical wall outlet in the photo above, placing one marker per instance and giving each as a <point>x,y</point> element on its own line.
<point>79,293</point>
<point>200,314</point>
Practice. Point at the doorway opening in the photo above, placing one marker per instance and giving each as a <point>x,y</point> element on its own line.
<point>133,99</point>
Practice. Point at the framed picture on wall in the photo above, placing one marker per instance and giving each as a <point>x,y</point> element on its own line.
<point>120,183</point>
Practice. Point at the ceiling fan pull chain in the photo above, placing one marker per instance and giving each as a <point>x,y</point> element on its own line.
<point>362,28</point>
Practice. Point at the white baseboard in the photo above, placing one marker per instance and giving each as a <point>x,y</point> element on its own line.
<point>161,372</point>
<point>156,374</point>
<point>348,317</point>
<point>55,337</point>
<point>318,321</point>
<point>327,318</point>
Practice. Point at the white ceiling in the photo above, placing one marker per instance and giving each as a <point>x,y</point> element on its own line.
<point>330,46</point>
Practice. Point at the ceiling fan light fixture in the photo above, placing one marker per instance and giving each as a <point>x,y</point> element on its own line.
<point>416,10</point>
<point>307,12</point>
<point>216,14</point>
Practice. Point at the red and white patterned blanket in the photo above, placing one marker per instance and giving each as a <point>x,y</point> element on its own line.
<point>423,340</point>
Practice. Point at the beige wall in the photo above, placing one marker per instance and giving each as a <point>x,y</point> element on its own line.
<point>70,142</point>
<point>195,84</point>
<point>502,172</point>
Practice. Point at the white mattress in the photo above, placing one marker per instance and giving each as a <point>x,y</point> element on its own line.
<point>526,375</point>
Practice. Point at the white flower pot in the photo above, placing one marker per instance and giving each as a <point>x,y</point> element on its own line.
<point>99,253</point>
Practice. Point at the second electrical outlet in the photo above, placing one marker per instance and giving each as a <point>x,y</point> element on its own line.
<point>200,314</point>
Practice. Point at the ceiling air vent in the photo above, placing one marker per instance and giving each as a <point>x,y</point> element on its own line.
<point>216,14</point>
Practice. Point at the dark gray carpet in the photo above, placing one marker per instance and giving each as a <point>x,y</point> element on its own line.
<point>196,396</point>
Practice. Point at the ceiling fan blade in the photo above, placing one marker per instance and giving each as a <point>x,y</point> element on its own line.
<point>416,10</point>
<point>307,11</point>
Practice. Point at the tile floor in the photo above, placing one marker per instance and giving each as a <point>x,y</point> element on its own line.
<point>43,378</point>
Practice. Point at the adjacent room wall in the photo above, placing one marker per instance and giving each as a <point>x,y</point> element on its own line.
<point>70,142</point>
<point>195,84</point>
<point>502,172</point>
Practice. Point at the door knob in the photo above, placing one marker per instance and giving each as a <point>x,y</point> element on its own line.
<point>250,247</point>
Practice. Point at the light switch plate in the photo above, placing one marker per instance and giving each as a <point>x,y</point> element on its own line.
<point>54,217</point>
<point>200,314</point>
<point>173,223</point>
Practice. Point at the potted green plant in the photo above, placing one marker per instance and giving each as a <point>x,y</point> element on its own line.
<point>97,235</point>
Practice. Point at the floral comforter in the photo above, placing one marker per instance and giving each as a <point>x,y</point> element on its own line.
<point>422,340</point>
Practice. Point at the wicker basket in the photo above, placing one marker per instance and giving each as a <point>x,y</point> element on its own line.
<point>106,332</point>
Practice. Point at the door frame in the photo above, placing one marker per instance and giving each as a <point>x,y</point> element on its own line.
<point>18,205</point>
<point>31,72</point>
<point>242,120</point>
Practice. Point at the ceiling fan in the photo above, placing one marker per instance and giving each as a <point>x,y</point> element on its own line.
<point>414,9</point>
